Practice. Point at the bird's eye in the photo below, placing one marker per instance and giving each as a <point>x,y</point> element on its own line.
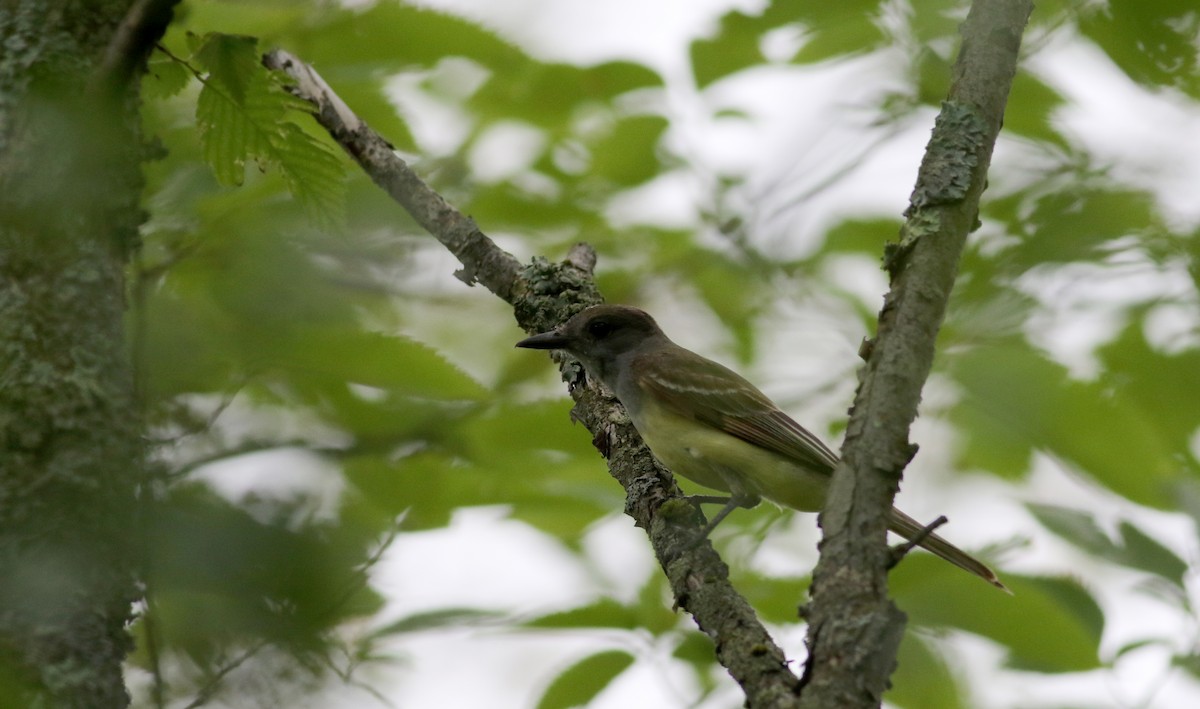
<point>600,328</point>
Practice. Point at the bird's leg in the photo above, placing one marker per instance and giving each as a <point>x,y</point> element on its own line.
<point>730,503</point>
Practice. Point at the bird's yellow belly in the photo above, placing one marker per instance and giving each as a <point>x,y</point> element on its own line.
<point>720,461</point>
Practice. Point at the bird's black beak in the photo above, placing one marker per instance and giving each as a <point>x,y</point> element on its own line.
<point>546,341</point>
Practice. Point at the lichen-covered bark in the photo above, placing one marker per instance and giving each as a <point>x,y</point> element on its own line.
<point>69,433</point>
<point>854,630</point>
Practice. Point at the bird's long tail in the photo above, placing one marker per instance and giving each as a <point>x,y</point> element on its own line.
<point>909,528</point>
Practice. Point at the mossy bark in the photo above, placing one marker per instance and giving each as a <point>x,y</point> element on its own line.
<point>70,466</point>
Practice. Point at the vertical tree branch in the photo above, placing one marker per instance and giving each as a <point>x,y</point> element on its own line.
<point>854,630</point>
<point>70,446</point>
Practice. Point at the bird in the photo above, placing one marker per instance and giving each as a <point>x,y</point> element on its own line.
<point>707,423</point>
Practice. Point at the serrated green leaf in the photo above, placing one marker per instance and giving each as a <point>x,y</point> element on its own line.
<point>231,62</point>
<point>227,136</point>
<point>251,123</point>
<point>165,76</point>
<point>581,682</point>
<point>315,175</point>
<point>384,361</point>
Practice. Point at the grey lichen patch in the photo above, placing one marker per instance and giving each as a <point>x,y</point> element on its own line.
<point>552,292</point>
<point>959,133</point>
<point>920,223</point>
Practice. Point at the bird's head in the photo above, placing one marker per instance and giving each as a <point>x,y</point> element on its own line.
<point>599,335</point>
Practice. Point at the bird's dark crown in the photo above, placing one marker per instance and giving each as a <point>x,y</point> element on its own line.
<point>615,326</point>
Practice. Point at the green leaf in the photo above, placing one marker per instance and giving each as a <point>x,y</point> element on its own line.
<point>419,486</point>
<point>228,136</point>
<point>1144,552</point>
<point>1133,548</point>
<point>831,30</point>
<point>1047,625</point>
<point>1153,41</point>
<point>231,61</point>
<point>734,47</point>
<point>776,600</point>
<point>628,154</point>
<point>1162,384</point>
<point>922,678</point>
<point>433,620</point>
<point>314,174</point>
<point>248,578</point>
<point>1190,662</point>
<point>936,20</point>
<point>384,361</point>
<point>581,682</point>
<point>604,613</point>
<point>607,613</point>
<point>242,115</point>
<point>392,36</point>
<point>864,236</point>
<point>549,95</point>
<point>1075,526</point>
<point>1075,224</point>
<point>508,435</point>
<point>1032,107</point>
<point>696,649</point>
<point>165,76</point>
<point>1017,399</point>
<point>849,28</point>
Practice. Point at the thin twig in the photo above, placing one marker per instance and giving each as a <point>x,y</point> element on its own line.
<point>209,690</point>
<point>901,550</point>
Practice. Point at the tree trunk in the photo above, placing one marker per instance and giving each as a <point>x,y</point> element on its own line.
<point>71,461</point>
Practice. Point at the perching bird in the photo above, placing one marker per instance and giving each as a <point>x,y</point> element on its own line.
<point>708,424</point>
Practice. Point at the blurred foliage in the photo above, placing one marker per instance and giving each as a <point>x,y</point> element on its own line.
<point>293,308</point>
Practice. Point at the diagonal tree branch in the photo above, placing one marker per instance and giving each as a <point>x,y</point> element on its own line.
<point>854,630</point>
<point>543,295</point>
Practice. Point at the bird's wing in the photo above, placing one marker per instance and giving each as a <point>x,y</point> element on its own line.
<point>699,388</point>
